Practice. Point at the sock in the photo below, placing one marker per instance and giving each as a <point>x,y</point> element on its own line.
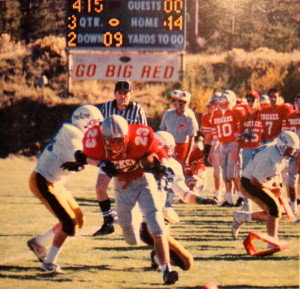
<point>105,207</point>
<point>52,254</point>
<point>217,194</point>
<point>46,238</point>
<point>165,267</point>
<point>228,197</point>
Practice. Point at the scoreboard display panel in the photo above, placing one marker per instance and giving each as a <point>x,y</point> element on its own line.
<point>126,24</point>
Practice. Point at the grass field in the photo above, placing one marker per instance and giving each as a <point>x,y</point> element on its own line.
<point>108,262</point>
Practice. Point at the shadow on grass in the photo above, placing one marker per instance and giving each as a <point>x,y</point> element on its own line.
<point>37,275</point>
<point>242,287</point>
<point>125,249</point>
<point>244,257</point>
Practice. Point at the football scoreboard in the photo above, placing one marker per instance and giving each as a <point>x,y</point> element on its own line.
<point>126,24</point>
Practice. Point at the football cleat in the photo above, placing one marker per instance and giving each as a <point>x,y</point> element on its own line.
<point>106,229</point>
<point>38,250</point>
<point>51,267</point>
<point>170,277</point>
<point>227,205</point>
<point>239,202</point>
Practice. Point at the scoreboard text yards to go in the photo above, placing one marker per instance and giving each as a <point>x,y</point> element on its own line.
<point>126,24</point>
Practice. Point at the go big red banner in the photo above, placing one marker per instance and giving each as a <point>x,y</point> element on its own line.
<point>137,67</point>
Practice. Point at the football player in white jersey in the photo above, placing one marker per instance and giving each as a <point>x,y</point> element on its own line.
<point>260,182</point>
<point>47,184</point>
<point>173,183</point>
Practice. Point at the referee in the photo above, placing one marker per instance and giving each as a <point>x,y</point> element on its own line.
<point>123,106</point>
<point>134,114</point>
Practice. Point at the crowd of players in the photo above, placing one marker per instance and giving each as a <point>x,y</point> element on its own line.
<point>116,138</point>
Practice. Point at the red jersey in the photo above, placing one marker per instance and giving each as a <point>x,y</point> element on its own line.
<point>272,119</point>
<point>252,127</point>
<point>141,141</point>
<point>292,121</point>
<point>226,126</point>
<point>197,153</point>
<point>206,125</point>
<point>242,107</point>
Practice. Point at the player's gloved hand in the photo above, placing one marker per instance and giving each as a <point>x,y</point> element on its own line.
<point>208,201</point>
<point>157,169</point>
<point>109,168</point>
<point>160,171</point>
<point>80,157</point>
<point>72,166</point>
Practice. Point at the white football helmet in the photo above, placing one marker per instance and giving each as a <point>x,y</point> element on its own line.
<point>287,140</point>
<point>232,97</point>
<point>215,96</point>
<point>115,131</point>
<point>86,116</point>
<point>228,95</point>
<point>167,141</point>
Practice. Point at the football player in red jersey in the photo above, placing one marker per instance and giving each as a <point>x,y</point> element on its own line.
<point>226,130</point>
<point>272,117</point>
<point>292,123</point>
<point>118,148</point>
<point>206,129</point>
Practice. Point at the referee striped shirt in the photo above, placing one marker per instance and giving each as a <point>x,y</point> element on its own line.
<point>133,113</point>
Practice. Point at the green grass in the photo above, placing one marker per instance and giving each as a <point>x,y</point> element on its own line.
<point>108,262</point>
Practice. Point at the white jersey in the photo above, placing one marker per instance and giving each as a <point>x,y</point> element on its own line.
<point>175,180</point>
<point>266,164</point>
<point>61,149</point>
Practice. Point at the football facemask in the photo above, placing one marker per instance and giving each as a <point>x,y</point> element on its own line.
<point>116,145</point>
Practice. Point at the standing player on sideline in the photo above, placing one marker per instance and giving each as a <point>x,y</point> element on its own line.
<point>292,123</point>
<point>273,116</point>
<point>226,130</point>
<point>118,148</point>
<point>47,184</point>
<point>259,182</point>
<point>206,128</point>
<point>134,114</point>
<point>182,124</point>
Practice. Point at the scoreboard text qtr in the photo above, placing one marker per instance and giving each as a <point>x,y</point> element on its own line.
<point>117,24</point>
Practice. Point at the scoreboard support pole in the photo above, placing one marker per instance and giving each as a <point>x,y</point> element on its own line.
<point>181,71</point>
<point>69,72</point>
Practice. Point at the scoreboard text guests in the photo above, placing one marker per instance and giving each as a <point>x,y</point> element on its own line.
<point>126,24</point>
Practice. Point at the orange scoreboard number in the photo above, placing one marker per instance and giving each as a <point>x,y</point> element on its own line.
<point>126,24</point>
